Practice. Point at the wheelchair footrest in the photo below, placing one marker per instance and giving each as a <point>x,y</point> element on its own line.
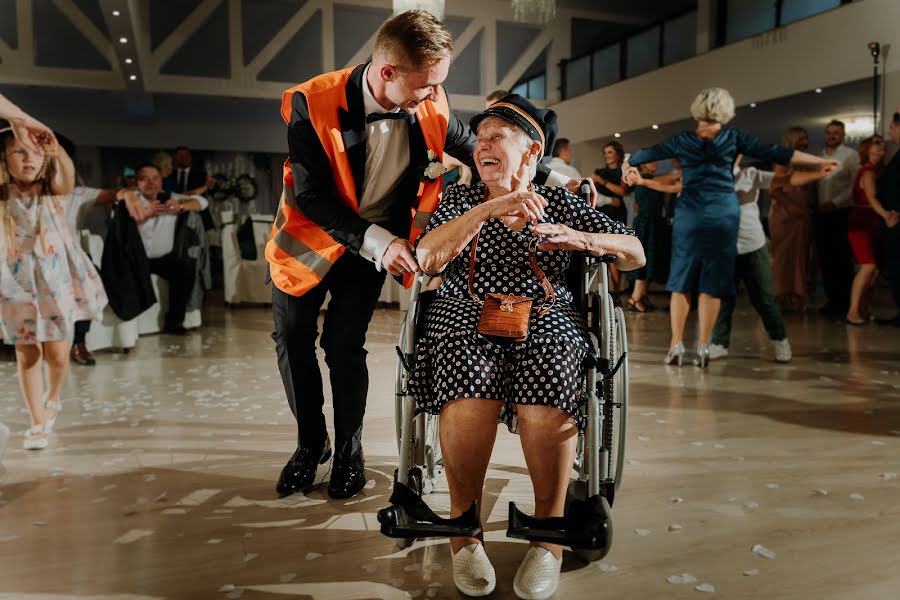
<point>409,517</point>
<point>587,525</point>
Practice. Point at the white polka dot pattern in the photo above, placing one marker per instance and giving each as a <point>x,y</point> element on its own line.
<point>454,361</point>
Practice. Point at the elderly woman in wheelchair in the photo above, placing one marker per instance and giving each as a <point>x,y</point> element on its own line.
<point>507,243</point>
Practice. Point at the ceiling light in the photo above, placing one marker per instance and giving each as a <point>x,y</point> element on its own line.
<point>116,13</point>
<point>818,90</point>
<point>617,134</point>
<point>753,105</point>
<point>128,61</point>
<point>133,78</point>
<point>123,40</point>
<point>654,126</point>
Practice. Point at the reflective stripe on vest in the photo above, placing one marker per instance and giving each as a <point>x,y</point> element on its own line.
<point>300,253</point>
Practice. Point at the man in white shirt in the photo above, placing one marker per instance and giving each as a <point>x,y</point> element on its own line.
<point>156,220</point>
<point>562,159</point>
<point>835,196</point>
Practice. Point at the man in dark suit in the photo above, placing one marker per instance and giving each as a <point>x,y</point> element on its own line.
<point>359,142</point>
<point>190,181</point>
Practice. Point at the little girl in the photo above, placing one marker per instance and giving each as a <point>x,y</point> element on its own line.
<point>46,281</point>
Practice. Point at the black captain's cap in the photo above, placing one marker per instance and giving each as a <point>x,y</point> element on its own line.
<point>538,123</point>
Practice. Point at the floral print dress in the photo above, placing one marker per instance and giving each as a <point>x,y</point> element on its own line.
<point>47,282</point>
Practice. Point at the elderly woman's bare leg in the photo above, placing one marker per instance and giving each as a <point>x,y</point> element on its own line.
<point>468,430</point>
<point>548,438</point>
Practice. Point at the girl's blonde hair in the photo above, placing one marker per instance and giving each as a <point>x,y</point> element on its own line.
<point>47,174</point>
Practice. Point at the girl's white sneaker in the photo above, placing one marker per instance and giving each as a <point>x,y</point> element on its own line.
<point>35,438</point>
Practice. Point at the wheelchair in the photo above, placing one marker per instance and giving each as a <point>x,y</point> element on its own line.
<point>586,526</point>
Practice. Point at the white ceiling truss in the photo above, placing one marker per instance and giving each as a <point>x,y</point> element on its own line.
<point>18,65</point>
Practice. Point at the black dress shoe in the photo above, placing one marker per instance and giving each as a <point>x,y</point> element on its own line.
<point>894,322</point>
<point>299,474</point>
<point>176,330</point>
<point>348,476</point>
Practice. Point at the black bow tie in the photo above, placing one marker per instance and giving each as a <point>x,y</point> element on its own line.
<point>399,115</point>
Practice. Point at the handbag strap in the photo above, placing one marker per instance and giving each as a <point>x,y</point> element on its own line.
<point>549,292</point>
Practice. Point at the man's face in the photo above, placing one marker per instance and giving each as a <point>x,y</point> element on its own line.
<point>149,182</point>
<point>183,158</point>
<point>566,154</point>
<point>409,88</point>
<point>834,136</point>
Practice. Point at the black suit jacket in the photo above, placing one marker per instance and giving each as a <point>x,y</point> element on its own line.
<point>124,268</point>
<point>196,178</point>
<point>310,166</point>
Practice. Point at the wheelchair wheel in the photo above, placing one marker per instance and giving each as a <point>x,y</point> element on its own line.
<point>621,395</point>
<point>434,462</point>
<point>577,490</point>
<point>400,378</point>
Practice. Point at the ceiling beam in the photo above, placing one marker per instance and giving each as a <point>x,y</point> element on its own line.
<point>544,38</point>
<point>284,35</point>
<point>25,31</point>
<point>175,40</point>
<point>236,41</point>
<point>88,30</point>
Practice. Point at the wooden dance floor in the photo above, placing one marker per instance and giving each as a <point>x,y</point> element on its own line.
<point>750,480</point>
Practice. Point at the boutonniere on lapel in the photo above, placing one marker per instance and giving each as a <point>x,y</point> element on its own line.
<point>433,169</point>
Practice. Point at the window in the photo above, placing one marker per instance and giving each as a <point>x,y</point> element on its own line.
<point>680,38</point>
<point>794,10</point>
<point>534,88</point>
<point>744,18</point>
<point>607,67</point>
<point>578,76</point>
<point>642,52</point>
<point>537,88</point>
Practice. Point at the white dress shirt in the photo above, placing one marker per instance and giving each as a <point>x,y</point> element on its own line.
<point>564,168</point>
<point>837,187</point>
<point>387,158</point>
<point>747,184</point>
<point>158,233</point>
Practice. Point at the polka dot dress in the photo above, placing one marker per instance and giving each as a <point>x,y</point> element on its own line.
<point>454,361</point>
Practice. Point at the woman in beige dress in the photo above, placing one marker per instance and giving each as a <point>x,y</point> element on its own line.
<point>790,228</point>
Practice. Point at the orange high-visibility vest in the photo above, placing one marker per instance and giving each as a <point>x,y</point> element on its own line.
<point>300,252</point>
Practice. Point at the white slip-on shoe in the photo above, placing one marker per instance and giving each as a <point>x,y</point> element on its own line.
<point>538,575</point>
<point>782,350</point>
<point>717,351</point>
<point>473,572</point>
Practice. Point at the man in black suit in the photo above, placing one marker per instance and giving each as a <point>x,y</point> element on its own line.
<point>190,181</point>
<point>358,143</point>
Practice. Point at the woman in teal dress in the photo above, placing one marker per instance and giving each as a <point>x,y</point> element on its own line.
<point>704,232</point>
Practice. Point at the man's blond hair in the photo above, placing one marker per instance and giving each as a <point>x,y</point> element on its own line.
<point>413,39</point>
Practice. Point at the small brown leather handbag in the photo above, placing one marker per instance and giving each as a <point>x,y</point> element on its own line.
<point>507,317</point>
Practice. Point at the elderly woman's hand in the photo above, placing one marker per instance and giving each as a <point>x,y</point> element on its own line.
<point>527,205</point>
<point>560,237</point>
